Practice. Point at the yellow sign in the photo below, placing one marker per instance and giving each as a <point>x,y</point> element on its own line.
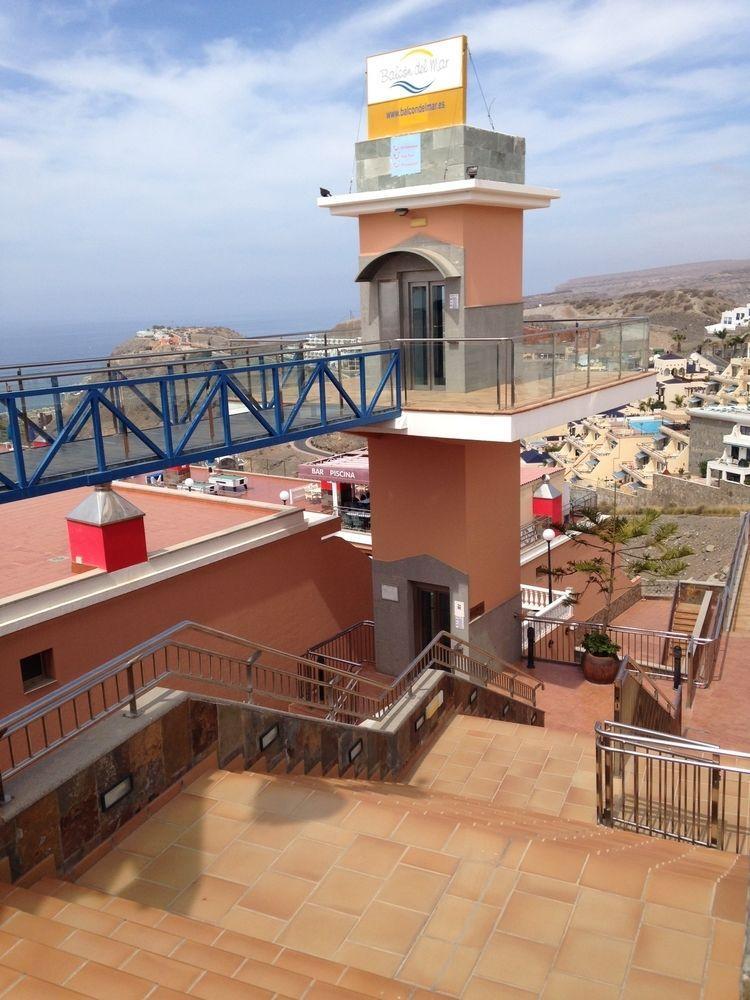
<point>416,89</point>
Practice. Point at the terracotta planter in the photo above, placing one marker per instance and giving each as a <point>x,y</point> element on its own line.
<point>600,669</point>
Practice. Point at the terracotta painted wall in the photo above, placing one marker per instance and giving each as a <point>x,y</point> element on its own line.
<point>470,522</point>
<point>491,237</point>
<point>289,594</point>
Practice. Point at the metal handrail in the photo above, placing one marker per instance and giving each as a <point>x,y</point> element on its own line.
<point>671,786</point>
<point>310,684</point>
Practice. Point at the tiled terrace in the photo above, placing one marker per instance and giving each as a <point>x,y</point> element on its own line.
<point>294,883</point>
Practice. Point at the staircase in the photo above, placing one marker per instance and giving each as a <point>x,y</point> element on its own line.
<point>684,618</point>
<point>283,885</point>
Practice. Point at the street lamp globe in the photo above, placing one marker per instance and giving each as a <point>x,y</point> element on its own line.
<point>548,534</point>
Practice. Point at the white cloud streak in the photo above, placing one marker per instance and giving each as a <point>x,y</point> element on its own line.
<point>138,180</point>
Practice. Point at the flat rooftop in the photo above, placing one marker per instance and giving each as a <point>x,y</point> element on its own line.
<point>35,536</point>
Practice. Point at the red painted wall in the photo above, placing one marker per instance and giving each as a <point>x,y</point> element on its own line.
<point>288,594</point>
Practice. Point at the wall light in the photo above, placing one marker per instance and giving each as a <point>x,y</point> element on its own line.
<point>473,696</point>
<point>401,211</point>
<point>284,497</point>
<point>355,751</point>
<point>117,792</point>
<point>268,737</point>
<point>472,171</point>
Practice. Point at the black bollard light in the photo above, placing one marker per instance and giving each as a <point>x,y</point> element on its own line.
<point>530,640</point>
<point>677,653</point>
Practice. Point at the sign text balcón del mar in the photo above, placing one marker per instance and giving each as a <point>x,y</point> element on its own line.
<point>417,88</point>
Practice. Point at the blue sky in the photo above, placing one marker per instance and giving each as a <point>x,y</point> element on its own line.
<point>160,159</point>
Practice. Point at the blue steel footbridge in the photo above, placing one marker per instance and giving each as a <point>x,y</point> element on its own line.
<point>81,423</point>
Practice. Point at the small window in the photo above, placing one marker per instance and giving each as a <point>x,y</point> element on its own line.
<point>36,669</point>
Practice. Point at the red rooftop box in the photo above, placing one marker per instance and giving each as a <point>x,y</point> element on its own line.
<point>107,531</point>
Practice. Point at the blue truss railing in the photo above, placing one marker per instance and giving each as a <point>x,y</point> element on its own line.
<point>59,437</point>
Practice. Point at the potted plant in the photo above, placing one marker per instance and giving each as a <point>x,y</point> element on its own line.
<point>620,547</point>
<point>600,661</point>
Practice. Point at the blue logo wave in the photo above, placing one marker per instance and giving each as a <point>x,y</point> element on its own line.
<point>410,88</point>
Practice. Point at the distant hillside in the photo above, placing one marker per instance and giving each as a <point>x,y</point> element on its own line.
<point>726,277</point>
<point>683,298</point>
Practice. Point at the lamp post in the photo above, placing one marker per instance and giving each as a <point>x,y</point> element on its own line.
<point>548,535</point>
<point>284,497</point>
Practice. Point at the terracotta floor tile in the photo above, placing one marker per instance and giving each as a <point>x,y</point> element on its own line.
<point>159,969</point>
<point>578,814</point>
<point>149,893</point>
<point>242,862</point>
<point>728,943</point>
<point>680,891</point>
<point>642,985</point>
<point>480,788</point>
<point>345,890</point>
<point>605,959</point>
<point>425,962</point>
<point>554,782</point>
<point>430,860</point>
<point>372,856</point>
<point>247,947</point>
<point>139,913</point>
<point>678,920</point>
<point>520,785</point>
<point>561,986</point>
<point>41,961</point>
<point>317,930</point>
<point>535,917</point>
<point>552,888</point>
<point>490,770</point>
<point>524,769</point>
<point>184,809</point>
<point>455,772</point>
<point>280,797</point>
<point>33,902</point>
<point>447,787</point>
<point>371,985</point>
<point>477,844</point>
<point>176,867</point>
<point>193,930</point>
<point>205,956</point>
<point>431,832</point>
<point>97,948</point>
<point>269,830</point>
<point>40,929</point>
<point>502,757</point>
<point>271,977</point>
<point>375,819</point>
<point>513,800</point>
<point>472,879</point>
<point>449,918</point>
<point>456,972</point>
<point>544,800</point>
<point>150,938</point>
<point>234,810</point>
<point>554,765</point>
<point>213,986</point>
<point>317,968</point>
<point>87,920</point>
<point>28,988</point>
<point>326,833</point>
<point>626,878</point>
<point>6,942</point>
<point>208,898</point>
<point>515,961</point>
<point>554,860</point>
<point>382,963</point>
<point>96,980</point>
<point>327,806</point>
<point>413,888</point>
<point>670,953</point>
<point>114,871</point>
<point>620,915</point>
<point>721,981</point>
<point>308,859</point>
<point>251,923</point>
<point>243,788</point>
<point>276,894</point>
<point>211,833</point>
<point>484,989</point>
<point>499,886</point>
<point>151,838</point>
<point>392,928</point>
<point>730,899</point>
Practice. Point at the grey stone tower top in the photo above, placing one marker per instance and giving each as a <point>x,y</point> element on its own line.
<point>445,155</point>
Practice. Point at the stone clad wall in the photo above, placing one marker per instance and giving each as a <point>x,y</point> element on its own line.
<point>446,153</point>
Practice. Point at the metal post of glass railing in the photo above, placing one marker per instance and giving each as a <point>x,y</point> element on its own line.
<point>588,357</point>
<point>554,359</point>
<point>497,373</point>
<point>619,361</point>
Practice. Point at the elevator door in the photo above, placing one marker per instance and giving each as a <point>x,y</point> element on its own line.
<point>426,329</point>
<point>432,614</point>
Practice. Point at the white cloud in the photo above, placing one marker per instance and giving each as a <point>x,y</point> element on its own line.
<point>136,178</point>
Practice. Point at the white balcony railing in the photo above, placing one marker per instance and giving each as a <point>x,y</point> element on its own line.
<point>535,604</point>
